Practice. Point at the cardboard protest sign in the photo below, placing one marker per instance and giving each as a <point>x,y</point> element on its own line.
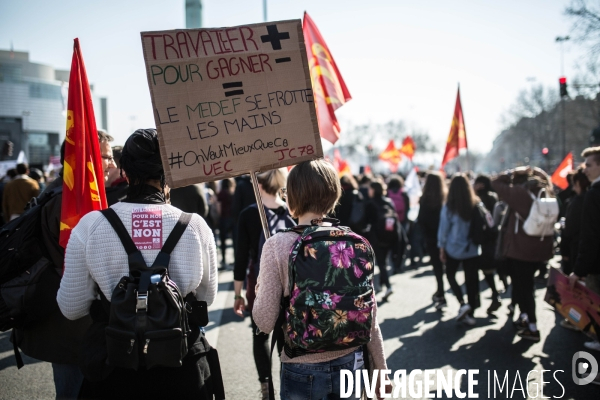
<point>231,100</point>
<point>579,305</point>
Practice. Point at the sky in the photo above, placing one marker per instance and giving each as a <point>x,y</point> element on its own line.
<point>401,59</point>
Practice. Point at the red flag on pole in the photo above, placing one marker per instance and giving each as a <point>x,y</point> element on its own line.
<point>83,186</point>
<point>330,91</point>
<point>559,177</point>
<point>457,138</point>
<point>392,155</point>
<point>408,147</point>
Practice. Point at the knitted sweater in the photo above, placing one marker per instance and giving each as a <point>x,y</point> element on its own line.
<point>95,254</point>
<point>272,284</point>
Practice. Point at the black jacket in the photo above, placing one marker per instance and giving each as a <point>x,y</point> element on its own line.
<point>588,260</point>
<point>569,238</point>
<point>56,339</point>
<point>429,220</point>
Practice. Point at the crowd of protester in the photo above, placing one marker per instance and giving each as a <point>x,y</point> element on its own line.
<point>373,206</point>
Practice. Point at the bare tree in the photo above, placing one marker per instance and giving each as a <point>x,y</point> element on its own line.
<point>585,16</point>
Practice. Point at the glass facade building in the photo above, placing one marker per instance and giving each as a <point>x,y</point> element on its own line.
<point>33,104</point>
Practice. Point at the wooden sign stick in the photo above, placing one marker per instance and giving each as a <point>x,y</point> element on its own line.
<point>259,204</point>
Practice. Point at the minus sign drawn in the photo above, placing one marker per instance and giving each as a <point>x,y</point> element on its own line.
<point>233,93</point>
<point>282,60</point>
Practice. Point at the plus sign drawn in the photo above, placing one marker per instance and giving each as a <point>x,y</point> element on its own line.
<point>275,37</point>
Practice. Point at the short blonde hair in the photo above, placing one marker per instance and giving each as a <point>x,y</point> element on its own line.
<point>273,180</point>
<point>313,186</point>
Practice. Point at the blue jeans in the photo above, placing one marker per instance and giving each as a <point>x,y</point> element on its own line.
<point>67,380</point>
<point>315,381</point>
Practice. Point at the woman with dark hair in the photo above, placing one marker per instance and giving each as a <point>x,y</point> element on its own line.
<point>381,215</point>
<point>456,246</point>
<point>432,200</point>
<point>96,261</point>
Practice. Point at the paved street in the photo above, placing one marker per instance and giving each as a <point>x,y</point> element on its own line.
<point>416,337</point>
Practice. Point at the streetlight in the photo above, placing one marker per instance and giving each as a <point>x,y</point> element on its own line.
<point>561,40</point>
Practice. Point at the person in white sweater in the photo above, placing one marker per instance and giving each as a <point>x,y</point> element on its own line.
<point>95,260</point>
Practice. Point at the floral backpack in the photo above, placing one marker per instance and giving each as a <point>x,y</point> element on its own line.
<point>331,290</point>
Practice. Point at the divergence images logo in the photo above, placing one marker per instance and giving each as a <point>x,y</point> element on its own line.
<point>580,367</point>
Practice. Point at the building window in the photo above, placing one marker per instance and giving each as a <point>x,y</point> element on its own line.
<point>10,73</point>
<point>44,91</point>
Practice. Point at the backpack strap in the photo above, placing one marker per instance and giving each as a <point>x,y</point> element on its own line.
<point>164,256</point>
<point>120,229</point>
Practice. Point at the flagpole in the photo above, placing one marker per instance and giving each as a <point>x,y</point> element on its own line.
<point>259,205</point>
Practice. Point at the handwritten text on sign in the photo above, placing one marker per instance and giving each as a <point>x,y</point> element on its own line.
<point>231,100</point>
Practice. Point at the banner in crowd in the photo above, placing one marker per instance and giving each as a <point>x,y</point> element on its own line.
<point>559,177</point>
<point>579,305</point>
<point>83,177</point>
<point>391,155</point>
<point>457,138</point>
<point>228,101</point>
<point>408,147</point>
<point>330,89</point>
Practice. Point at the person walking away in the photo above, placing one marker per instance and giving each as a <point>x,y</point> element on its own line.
<point>313,190</point>
<point>523,253</point>
<point>483,190</point>
<point>351,207</point>
<point>96,261</point>
<point>225,200</point>
<point>383,236</point>
<point>587,266</point>
<point>18,192</point>
<point>456,247</point>
<point>400,199</point>
<point>247,261</point>
<point>431,202</point>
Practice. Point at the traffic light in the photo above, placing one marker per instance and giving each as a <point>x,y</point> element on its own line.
<point>563,86</point>
<point>545,152</point>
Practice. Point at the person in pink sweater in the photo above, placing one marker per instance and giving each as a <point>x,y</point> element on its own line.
<point>313,191</point>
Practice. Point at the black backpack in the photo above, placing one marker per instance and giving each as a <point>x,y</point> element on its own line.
<point>386,225</point>
<point>481,230</point>
<point>278,221</point>
<point>148,324</point>
<point>29,281</point>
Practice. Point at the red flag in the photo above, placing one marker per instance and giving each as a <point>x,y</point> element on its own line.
<point>340,164</point>
<point>83,186</point>
<point>392,155</point>
<point>457,138</point>
<point>559,177</point>
<point>408,147</point>
<point>330,91</point>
